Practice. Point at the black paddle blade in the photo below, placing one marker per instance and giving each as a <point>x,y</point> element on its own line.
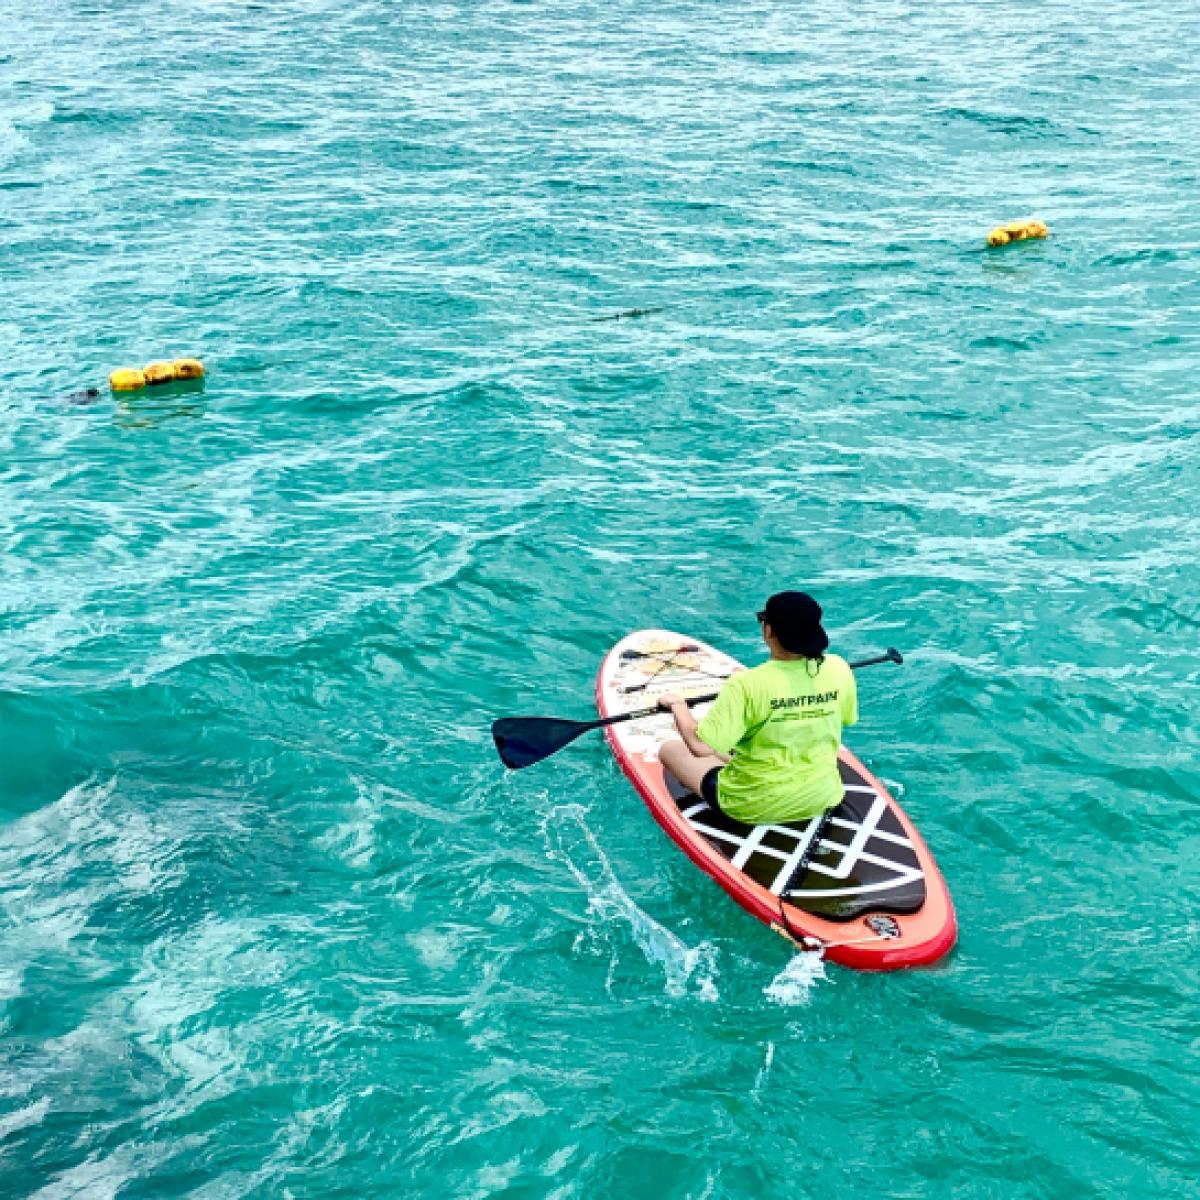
<point>523,741</point>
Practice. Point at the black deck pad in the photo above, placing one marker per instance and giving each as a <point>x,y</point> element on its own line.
<point>864,863</point>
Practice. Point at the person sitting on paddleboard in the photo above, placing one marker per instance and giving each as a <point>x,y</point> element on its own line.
<point>766,751</point>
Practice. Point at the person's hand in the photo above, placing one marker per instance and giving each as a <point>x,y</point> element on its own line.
<point>669,701</point>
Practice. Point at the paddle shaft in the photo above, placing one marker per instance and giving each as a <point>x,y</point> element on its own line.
<point>523,741</point>
<point>890,655</point>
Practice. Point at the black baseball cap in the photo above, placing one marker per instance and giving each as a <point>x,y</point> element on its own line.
<point>795,619</point>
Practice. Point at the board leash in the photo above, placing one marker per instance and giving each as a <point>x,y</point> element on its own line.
<point>805,941</point>
<point>798,874</point>
<point>813,945</point>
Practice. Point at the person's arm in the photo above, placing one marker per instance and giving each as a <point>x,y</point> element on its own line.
<point>685,722</point>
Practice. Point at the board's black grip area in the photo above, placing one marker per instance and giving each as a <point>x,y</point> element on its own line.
<point>863,864</point>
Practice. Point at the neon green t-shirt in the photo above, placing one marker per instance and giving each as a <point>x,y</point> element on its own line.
<point>782,722</point>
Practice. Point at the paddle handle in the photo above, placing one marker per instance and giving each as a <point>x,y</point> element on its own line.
<point>891,654</point>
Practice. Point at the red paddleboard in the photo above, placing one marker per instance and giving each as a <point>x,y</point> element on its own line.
<point>871,895</point>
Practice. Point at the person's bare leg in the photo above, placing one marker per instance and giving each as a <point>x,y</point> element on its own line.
<point>685,766</point>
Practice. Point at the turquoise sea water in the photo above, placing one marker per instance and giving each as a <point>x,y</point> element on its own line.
<point>273,921</point>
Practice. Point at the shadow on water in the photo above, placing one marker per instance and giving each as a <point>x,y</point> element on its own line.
<point>157,405</point>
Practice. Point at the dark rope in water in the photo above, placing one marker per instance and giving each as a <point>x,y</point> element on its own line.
<point>629,312</point>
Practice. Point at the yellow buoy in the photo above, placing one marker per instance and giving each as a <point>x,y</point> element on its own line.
<point>159,372</point>
<point>1017,231</point>
<point>189,368</point>
<point>127,379</point>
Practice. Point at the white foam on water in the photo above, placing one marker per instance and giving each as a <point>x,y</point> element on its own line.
<point>15,120</point>
<point>355,839</point>
<point>106,1176</point>
<point>176,1010</point>
<point>795,984</point>
<point>70,856</point>
<point>438,949</point>
<point>12,140</point>
<point>292,1143</point>
<point>763,1072</point>
<point>15,123</point>
<point>1185,935</point>
<point>688,970</point>
<point>85,831</point>
<point>23,1118</point>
